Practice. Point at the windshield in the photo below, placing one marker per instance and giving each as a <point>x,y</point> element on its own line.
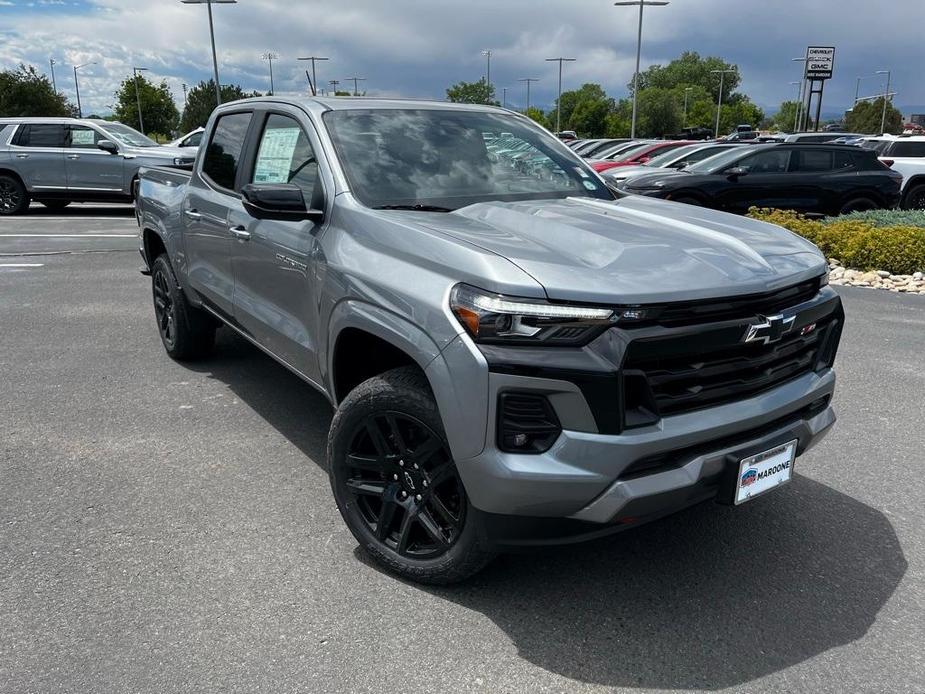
<point>128,136</point>
<point>625,150</point>
<point>673,155</point>
<point>720,161</point>
<point>445,160</point>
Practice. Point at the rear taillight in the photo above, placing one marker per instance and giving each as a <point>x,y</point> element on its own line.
<point>887,163</point>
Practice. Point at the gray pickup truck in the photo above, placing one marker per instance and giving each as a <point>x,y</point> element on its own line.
<point>515,358</point>
<point>57,161</point>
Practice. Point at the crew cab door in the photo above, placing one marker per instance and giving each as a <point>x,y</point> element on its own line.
<point>766,182</point>
<point>213,194</point>
<point>90,169</point>
<point>37,155</point>
<point>274,295</point>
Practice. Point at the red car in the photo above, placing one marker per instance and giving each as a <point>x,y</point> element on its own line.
<point>635,157</point>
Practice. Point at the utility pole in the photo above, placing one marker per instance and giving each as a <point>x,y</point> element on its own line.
<point>487,54</point>
<point>54,85</point>
<point>80,112</point>
<point>184,95</point>
<point>719,102</point>
<point>270,56</point>
<point>642,4</point>
<point>886,95</point>
<point>314,79</point>
<point>528,80</point>
<point>504,98</point>
<point>559,98</point>
<point>141,121</point>
<point>356,80</point>
<point>209,3</point>
<point>687,93</point>
<point>334,84</point>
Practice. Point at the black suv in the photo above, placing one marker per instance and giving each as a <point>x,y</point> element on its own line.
<point>818,179</point>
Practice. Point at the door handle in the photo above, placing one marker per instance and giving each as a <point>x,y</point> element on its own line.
<point>240,233</point>
<point>192,214</point>
<point>73,156</point>
<point>22,156</point>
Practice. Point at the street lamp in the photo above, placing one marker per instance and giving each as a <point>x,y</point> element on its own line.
<point>796,117</point>
<point>687,93</point>
<point>270,56</point>
<point>559,99</point>
<point>80,112</point>
<point>889,76</point>
<point>719,102</point>
<point>528,80</point>
<point>487,54</point>
<point>642,4</point>
<point>504,97</point>
<point>314,84</point>
<point>141,121</point>
<point>54,85</point>
<point>798,125</point>
<point>209,3</point>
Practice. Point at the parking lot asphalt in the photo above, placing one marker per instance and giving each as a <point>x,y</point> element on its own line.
<point>170,528</point>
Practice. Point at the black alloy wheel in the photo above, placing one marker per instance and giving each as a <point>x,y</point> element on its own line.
<point>165,310</point>
<point>404,485</point>
<point>915,199</point>
<point>13,197</point>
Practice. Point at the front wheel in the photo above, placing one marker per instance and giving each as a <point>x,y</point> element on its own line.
<point>915,198</point>
<point>858,205</point>
<point>186,332</point>
<point>396,484</point>
<point>14,198</point>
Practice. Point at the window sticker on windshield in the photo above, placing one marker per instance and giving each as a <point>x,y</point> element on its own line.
<point>82,137</point>
<point>589,185</point>
<point>581,172</point>
<point>274,160</point>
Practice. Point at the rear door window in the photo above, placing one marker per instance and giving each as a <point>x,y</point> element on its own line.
<point>769,161</point>
<point>907,149</point>
<point>48,135</point>
<point>223,155</point>
<point>813,161</point>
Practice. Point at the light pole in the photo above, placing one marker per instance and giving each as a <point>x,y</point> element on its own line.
<point>528,80</point>
<point>802,98</point>
<point>886,94</point>
<point>356,81</point>
<point>209,3</point>
<point>504,98</point>
<point>184,95</point>
<point>796,117</point>
<point>642,4</point>
<point>719,101</point>
<point>687,93</point>
<point>270,56</point>
<point>314,84</point>
<point>54,85</point>
<point>80,112</point>
<point>559,98</point>
<point>487,54</point>
<point>141,121</point>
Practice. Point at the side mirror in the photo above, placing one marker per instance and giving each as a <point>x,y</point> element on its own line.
<point>108,146</point>
<point>281,201</point>
<point>736,171</point>
<point>680,164</point>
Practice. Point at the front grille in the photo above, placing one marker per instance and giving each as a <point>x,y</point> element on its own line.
<point>674,375</point>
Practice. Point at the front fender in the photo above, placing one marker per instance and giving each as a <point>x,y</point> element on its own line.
<point>458,376</point>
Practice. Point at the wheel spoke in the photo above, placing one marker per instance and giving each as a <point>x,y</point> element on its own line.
<point>404,533</point>
<point>365,462</point>
<point>442,510</point>
<point>430,526</point>
<point>366,487</point>
<point>396,435</point>
<point>426,450</point>
<point>386,515</point>
<point>375,434</point>
<point>441,473</point>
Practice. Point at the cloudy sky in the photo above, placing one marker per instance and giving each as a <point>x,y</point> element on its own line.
<point>414,48</point>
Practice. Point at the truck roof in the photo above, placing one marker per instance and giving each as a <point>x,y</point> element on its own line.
<point>345,103</point>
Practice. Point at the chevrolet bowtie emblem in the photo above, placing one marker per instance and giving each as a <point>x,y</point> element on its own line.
<point>770,329</point>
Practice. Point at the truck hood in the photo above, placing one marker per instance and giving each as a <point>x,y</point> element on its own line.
<point>636,250</point>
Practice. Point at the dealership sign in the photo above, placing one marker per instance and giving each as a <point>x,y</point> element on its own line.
<point>820,62</point>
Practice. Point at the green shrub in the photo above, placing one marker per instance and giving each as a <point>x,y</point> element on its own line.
<point>883,218</point>
<point>858,242</point>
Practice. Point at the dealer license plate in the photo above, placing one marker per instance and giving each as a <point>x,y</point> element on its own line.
<point>766,471</point>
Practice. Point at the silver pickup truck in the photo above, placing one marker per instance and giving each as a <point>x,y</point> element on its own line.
<point>57,161</point>
<point>515,358</point>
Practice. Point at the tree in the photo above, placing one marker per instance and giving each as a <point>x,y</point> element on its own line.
<point>866,117</point>
<point>200,102</point>
<point>24,92</point>
<point>591,93</point>
<point>472,93</point>
<point>536,114</point>
<point>157,107</point>
<point>590,117</point>
<point>659,113</point>
<point>785,119</point>
<point>690,70</point>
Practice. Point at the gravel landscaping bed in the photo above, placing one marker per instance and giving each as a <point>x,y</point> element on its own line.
<point>879,279</point>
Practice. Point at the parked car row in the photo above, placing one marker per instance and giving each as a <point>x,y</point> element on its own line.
<point>57,161</point>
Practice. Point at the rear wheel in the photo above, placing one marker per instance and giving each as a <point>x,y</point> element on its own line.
<point>56,205</point>
<point>186,332</point>
<point>915,198</point>
<point>396,484</point>
<point>858,205</point>
<point>687,200</point>
<point>14,198</point>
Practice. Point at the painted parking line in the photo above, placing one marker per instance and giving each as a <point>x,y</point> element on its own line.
<point>68,236</point>
<point>22,265</point>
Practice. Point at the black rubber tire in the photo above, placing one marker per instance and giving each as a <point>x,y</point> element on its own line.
<point>915,198</point>
<point>14,198</point>
<point>192,332</point>
<point>403,390</point>
<point>687,200</point>
<point>858,205</point>
<point>55,205</point>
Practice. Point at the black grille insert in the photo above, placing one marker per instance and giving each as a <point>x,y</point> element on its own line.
<point>527,423</point>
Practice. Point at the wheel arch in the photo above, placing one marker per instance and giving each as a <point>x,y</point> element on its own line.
<point>10,172</point>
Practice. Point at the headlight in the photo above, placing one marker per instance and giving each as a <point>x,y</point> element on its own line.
<point>493,318</point>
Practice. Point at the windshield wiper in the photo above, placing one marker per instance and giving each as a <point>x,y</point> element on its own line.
<point>416,207</point>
